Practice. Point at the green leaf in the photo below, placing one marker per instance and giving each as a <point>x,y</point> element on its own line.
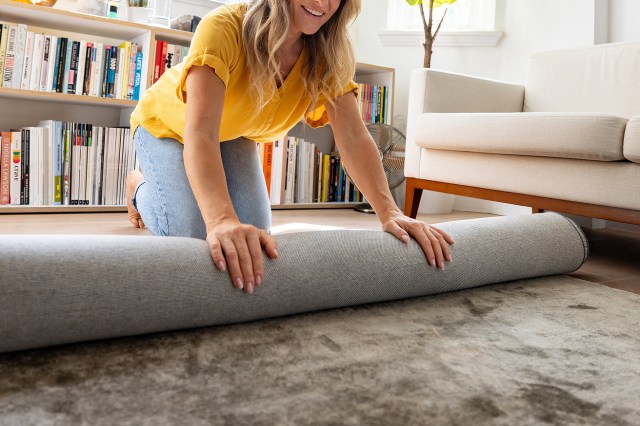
<point>438,3</point>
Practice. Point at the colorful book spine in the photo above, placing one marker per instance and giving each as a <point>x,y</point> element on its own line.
<point>5,168</point>
<point>138,77</point>
<point>16,169</point>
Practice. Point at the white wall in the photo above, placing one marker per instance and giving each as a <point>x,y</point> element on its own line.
<point>529,26</point>
<point>624,20</point>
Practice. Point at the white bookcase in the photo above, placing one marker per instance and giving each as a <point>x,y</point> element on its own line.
<point>22,108</point>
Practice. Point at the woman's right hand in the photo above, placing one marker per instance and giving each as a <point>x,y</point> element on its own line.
<point>238,247</point>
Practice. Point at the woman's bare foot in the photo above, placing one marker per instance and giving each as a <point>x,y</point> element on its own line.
<point>133,179</point>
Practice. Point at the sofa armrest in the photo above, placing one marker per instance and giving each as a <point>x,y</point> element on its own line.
<point>438,91</point>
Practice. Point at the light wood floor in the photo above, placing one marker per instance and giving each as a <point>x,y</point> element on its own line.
<point>614,259</point>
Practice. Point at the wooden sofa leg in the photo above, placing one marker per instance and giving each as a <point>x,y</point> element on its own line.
<point>412,199</point>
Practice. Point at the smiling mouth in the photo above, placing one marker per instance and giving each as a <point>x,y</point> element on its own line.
<point>313,12</point>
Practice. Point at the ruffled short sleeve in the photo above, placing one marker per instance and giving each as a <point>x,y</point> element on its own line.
<point>319,117</point>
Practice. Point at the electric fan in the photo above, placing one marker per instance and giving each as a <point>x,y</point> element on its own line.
<point>390,143</point>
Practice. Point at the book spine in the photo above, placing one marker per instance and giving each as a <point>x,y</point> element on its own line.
<point>85,83</point>
<point>324,196</point>
<point>72,74</point>
<point>16,167</point>
<point>5,168</point>
<point>268,156</point>
<point>25,158</point>
<point>163,57</point>
<point>81,62</point>
<point>46,55</point>
<point>68,65</point>
<point>138,77</point>
<point>111,78</point>
<point>4,35</point>
<point>156,61</point>
<point>58,70</point>
<point>9,60</point>
<point>37,62</point>
<point>96,89</point>
<point>122,70</point>
<point>66,163</point>
<point>106,61</point>
<point>21,40</point>
<point>131,76</point>
<point>57,162</point>
<point>25,80</point>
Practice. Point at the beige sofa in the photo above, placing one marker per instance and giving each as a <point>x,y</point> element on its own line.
<point>567,141</point>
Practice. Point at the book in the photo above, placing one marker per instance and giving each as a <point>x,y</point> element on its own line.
<point>16,167</point>
<point>72,72</point>
<point>138,77</point>
<point>291,170</point>
<point>5,167</point>
<point>90,69</point>
<point>20,46</point>
<point>66,164</point>
<point>121,70</point>
<point>78,87</point>
<point>157,58</point>
<point>106,61</point>
<point>268,159</point>
<point>58,72</point>
<point>37,61</point>
<point>4,35</point>
<point>25,80</point>
<point>9,61</point>
<point>25,158</point>
<point>44,71</point>
<point>131,74</point>
<point>324,197</point>
<point>69,66</point>
<point>49,158</point>
<point>98,70</point>
<point>111,74</point>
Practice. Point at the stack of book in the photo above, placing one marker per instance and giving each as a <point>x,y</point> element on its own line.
<point>373,103</point>
<point>296,171</point>
<point>60,163</point>
<point>30,60</point>
<point>166,56</point>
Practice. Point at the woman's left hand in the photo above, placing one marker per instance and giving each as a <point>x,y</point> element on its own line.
<point>434,242</point>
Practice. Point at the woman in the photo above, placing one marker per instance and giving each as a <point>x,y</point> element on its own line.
<point>253,71</point>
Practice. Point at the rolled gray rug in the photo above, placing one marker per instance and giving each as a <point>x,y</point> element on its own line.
<point>58,289</point>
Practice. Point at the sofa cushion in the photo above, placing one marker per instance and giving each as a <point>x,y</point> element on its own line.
<point>631,148</point>
<point>602,78</point>
<point>564,135</point>
<point>605,183</point>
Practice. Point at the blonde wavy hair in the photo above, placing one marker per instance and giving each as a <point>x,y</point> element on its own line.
<point>330,60</point>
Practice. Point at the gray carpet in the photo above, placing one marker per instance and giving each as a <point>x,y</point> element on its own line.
<point>554,350</point>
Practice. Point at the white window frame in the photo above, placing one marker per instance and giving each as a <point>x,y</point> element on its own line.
<point>404,25</point>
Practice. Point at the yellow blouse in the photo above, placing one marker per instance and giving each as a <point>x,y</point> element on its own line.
<point>217,43</point>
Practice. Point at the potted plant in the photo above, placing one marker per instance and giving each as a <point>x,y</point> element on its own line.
<point>429,33</point>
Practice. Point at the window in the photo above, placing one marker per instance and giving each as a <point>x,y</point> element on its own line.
<point>477,15</point>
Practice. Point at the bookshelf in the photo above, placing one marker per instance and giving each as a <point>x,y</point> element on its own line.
<point>23,108</point>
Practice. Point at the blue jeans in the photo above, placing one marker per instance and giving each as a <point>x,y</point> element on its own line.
<point>164,198</point>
